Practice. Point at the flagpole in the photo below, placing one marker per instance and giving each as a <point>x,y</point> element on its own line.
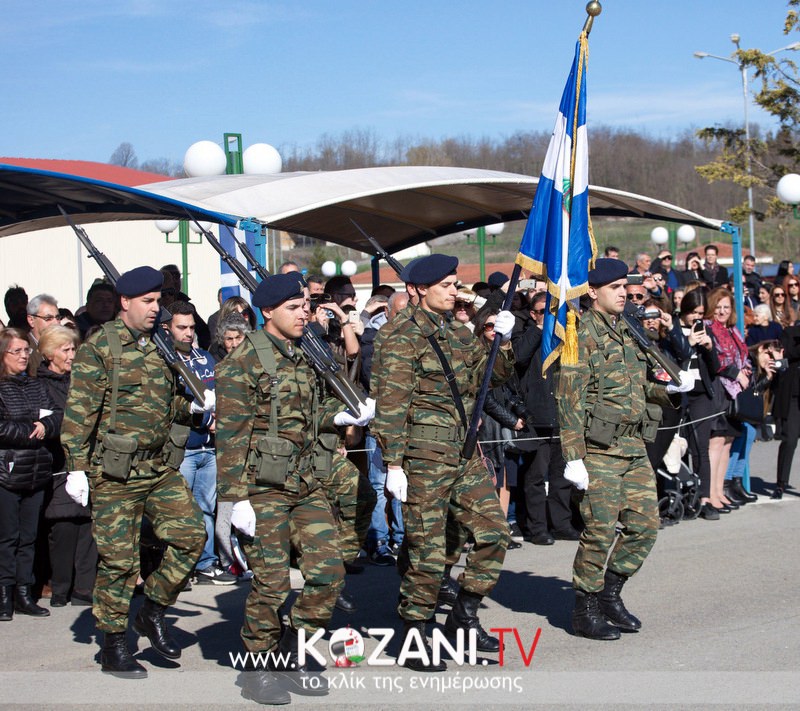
<point>593,9</point>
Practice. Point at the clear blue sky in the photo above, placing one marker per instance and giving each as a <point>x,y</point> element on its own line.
<point>80,78</point>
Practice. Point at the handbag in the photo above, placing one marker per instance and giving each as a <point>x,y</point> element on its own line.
<point>747,406</point>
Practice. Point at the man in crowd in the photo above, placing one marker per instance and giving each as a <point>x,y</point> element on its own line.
<point>714,274</point>
<point>602,416</point>
<point>101,303</point>
<point>420,428</point>
<point>752,279</point>
<point>16,301</point>
<point>199,466</point>
<point>42,313</point>
<point>269,413</point>
<point>118,428</point>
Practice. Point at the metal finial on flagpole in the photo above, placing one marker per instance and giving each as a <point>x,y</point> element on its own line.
<point>593,9</point>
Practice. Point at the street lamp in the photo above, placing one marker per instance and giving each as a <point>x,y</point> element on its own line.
<point>788,189</point>
<point>733,59</point>
<point>480,239</point>
<point>672,235</point>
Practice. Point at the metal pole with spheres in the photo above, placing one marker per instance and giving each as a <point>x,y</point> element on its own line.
<point>480,239</point>
<point>742,67</point>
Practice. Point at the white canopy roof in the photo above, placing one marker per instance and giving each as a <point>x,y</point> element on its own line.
<point>399,206</point>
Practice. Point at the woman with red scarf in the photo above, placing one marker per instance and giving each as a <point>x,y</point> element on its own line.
<point>734,376</point>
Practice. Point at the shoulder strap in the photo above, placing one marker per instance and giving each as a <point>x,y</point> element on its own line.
<point>266,356</point>
<point>449,375</point>
<point>601,346</point>
<point>115,345</point>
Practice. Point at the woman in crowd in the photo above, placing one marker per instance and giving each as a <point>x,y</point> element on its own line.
<point>502,418</point>
<point>791,285</point>
<point>702,399</point>
<point>734,375</point>
<point>763,327</point>
<point>464,308</point>
<point>764,293</point>
<point>785,268</point>
<point>677,297</point>
<point>231,330</point>
<point>763,356</point>
<point>786,408</point>
<point>694,268</point>
<point>72,548</point>
<point>780,311</point>
<point>27,421</point>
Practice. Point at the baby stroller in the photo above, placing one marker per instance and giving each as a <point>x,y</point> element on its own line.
<point>681,499</point>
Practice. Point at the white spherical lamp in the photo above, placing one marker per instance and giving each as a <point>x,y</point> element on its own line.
<point>349,267</point>
<point>469,233</point>
<point>659,235</point>
<point>261,159</point>
<point>686,233</point>
<point>788,189</point>
<point>193,226</point>
<point>167,226</point>
<point>495,229</point>
<point>328,268</point>
<point>203,159</point>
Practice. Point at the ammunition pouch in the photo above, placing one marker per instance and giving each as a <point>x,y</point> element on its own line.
<point>271,460</point>
<point>175,447</point>
<point>324,448</point>
<point>651,421</point>
<point>117,454</point>
<point>602,424</point>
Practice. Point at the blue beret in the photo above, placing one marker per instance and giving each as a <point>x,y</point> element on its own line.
<point>277,288</point>
<point>497,279</point>
<point>406,270</point>
<point>141,280</point>
<point>430,269</point>
<point>607,270</point>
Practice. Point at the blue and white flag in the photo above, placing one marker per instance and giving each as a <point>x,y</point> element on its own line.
<point>558,244</point>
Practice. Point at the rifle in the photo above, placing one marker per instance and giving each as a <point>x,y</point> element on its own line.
<point>379,251</point>
<point>159,336</point>
<point>636,330</point>
<point>317,352</point>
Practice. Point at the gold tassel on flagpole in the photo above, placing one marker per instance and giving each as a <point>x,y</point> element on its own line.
<point>569,349</point>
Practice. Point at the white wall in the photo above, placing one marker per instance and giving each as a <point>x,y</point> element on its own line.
<point>47,261</point>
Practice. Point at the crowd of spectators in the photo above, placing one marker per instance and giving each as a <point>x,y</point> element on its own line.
<point>46,546</point>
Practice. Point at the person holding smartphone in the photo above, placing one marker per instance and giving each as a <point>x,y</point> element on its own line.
<point>701,400</point>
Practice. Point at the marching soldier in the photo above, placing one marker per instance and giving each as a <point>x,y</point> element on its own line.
<point>270,416</point>
<point>605,419</point>
<point>119,428</point>
<point>420,431</point>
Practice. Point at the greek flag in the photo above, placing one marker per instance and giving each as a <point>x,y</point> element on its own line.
<point>558,244</point>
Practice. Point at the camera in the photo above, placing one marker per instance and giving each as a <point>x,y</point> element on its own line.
<point>637,279</point>
<point>319,299</point>
<point>781,365</point>
<point>651,313</point>
<point>517,406</point>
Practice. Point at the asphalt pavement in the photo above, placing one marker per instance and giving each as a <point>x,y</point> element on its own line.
<point>718,601</point>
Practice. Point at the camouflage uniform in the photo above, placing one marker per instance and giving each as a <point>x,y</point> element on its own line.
<point>149,400</point>
<point>621,480</point>
<point>418,427</point>
<point>293,512</point>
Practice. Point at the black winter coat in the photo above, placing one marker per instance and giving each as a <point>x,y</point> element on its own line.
<point>25,462</point>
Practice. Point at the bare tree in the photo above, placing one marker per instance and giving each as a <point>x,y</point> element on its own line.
<point>125,156</point>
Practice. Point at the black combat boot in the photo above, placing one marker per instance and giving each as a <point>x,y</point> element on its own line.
<point>587,620</point>
<point>116,658</point>
<point>737,487</point>
<point>6,602</point>
<point>419,665</point>
<point>464,616</point>
<point>150,623</point>
<point>285,662</point>
<point>264,687</point>
<point>727,490</point>
<point>448,590</point>
<point>345,603</point>
<point>611,604</point>
<point>26,605</point>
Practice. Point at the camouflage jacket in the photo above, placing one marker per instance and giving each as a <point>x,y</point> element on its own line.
<point>148,401</point>
<point>245,395</point>
<point>626,389</point>
<point>410,388</point>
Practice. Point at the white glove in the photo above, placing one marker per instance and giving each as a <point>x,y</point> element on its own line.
<point>365,414</point>
<point>44,413</point>
<point>207,405</point>
<point>77,487</point>
<point>243,518</point>
<point>576,473</point>
<point>503,325</point>
<point>397,483</point>
<point>688,378</point>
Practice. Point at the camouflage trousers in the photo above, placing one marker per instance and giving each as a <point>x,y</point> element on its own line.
<point>284,519</point>
<point>352,498</point>
<point>463,491</point>
<point>623,490</point>
<point>117,510</point>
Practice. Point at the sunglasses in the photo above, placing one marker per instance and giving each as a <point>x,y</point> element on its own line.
<point>636,297</point>
<point>793,283</point>
<point>667,258</point>
<point>776,294</point>
<point>462,305</point>
<point>538,312</point>
<point>488,327</point>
